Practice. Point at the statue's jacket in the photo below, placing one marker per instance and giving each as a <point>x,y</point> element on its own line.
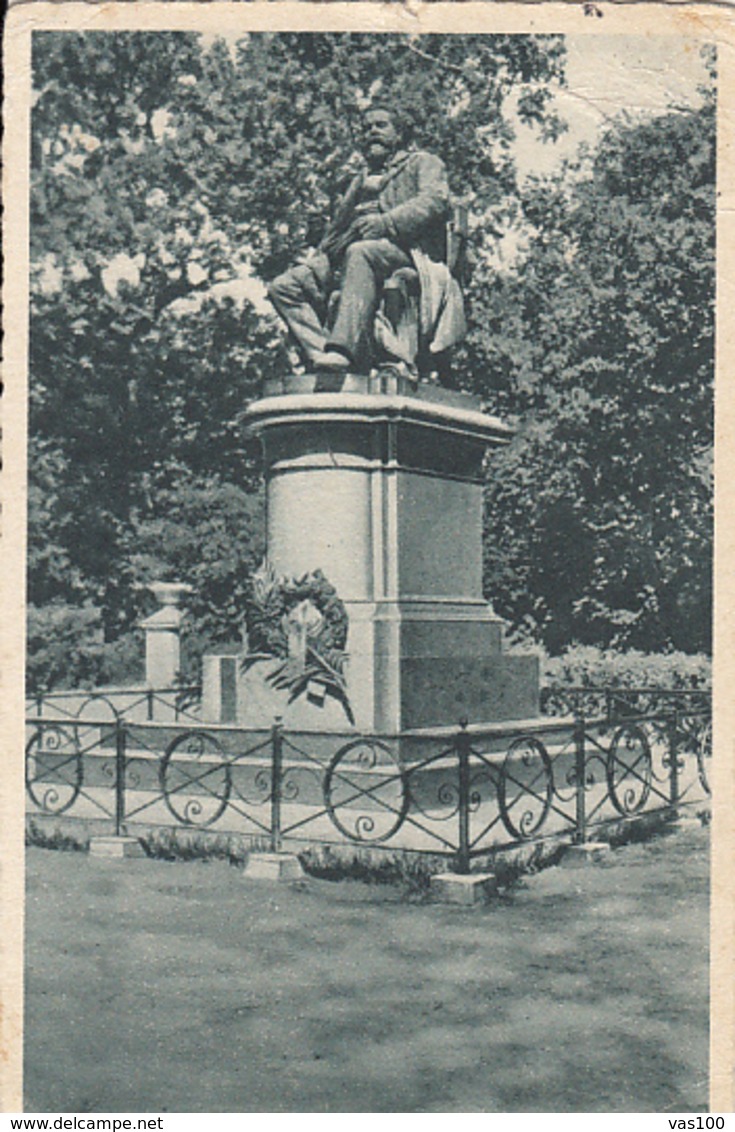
<point>413,197</point>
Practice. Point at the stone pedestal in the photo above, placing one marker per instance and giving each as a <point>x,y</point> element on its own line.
<point>163,634</point>
<point>383,493</point>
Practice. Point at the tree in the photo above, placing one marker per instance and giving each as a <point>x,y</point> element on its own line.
<point>599,516</point>
<point>169,180</point>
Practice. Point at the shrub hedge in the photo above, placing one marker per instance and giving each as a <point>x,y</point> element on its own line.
<point>590,667</point>
<point>587,666</point>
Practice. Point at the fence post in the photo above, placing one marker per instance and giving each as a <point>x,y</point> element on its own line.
<point>120,761</point>
<point>276,779</point>
<point>462,747</point>
<point>674,761</point>
<point>149,701</point>
<point>580,774</point>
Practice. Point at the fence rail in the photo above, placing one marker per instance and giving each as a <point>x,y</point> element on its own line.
<point>129,703</point>
<point>618,702</point>
<point>461,796</point>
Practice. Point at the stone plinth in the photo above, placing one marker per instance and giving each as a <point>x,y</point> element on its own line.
<point>163,634</point>
<point>383,493</point>
<point>580,856</point>
<point>115,848</point>
<point>453,888</point>
<point>273,866</point>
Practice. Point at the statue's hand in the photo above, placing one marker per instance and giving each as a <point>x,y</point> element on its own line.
<point>370,227</point>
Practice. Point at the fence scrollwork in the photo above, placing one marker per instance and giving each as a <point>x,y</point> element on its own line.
<point>195,778</point>
<point>54,770</point>
<point>526,777</point>
<point>629,769</point>
<point>365,791</point>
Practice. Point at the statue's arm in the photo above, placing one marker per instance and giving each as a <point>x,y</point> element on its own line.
<point>336,234</point>
<point>407,221</point>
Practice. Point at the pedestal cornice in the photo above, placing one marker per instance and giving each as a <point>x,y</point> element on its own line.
<point>374,408</point>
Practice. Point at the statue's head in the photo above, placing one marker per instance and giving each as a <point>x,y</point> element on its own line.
<point>382,132</point>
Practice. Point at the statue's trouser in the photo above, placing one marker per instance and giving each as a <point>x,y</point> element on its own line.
<point>301,295</point>
<point>368,263</point>
<point>301,302</point>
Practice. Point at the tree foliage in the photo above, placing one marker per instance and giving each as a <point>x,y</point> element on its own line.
<point>170,177</point>
<point>599,516</point>
<point>173,175</point>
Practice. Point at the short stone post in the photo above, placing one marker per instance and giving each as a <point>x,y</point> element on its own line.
<point>163,634</point>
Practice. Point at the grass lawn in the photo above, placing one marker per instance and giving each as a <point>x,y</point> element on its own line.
<point>156,986</point>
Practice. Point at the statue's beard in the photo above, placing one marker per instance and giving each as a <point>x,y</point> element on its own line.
<point>377,154</point>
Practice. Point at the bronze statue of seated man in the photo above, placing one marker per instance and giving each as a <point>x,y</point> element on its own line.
<point>379,287</point>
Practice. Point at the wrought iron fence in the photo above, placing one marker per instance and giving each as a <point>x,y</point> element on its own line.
<point>462,793</point>
<point>179,703</point>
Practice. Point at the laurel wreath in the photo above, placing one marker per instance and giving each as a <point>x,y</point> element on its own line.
<point>271,597</point>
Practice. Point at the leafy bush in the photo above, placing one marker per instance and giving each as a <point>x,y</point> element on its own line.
<point>587,666</point>
<point>195,845</point>
<point>66,840</point>
<point>412,871</point>
<point>201,530</point>
<point>209,533</point>
<point>65,649</point>
<point>584,666</point>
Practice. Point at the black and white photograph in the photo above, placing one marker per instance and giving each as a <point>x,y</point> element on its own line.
<point>367,380</point>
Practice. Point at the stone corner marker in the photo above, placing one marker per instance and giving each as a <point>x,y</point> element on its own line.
<point>468,889</point>
<point>579,856</point>
<point>273,866</point>
<point>115,848</point>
